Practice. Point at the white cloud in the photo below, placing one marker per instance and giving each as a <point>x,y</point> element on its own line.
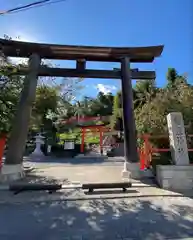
<point>105,88</point>
<point>23,36</point>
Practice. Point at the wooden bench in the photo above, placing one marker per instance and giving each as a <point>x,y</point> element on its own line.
<point>92,186</point>
<point>21,187</point>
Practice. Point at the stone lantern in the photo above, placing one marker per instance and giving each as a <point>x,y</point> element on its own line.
<point>39,140</point>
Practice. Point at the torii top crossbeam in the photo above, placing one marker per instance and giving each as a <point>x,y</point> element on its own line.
<point>88,53</point>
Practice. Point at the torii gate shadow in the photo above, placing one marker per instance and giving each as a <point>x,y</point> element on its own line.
<point>76,161</point>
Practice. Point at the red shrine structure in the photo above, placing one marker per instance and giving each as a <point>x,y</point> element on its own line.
<point>95,129</point>
<point>98,128</point>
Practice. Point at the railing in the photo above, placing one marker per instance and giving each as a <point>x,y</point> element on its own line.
<point>146,152</point>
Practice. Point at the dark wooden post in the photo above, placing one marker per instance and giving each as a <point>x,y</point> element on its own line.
<point>19,132</point>
<point>130,143</point>
<point>81,65</point>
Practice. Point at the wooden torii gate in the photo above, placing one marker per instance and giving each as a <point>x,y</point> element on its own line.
<point>81,54</point>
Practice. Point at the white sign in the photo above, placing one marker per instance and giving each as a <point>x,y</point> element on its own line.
<point>69,145</point>
<point>49,148</point>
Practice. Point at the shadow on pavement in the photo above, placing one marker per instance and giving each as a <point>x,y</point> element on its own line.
<point>102,219</point>
<point>76,161</point>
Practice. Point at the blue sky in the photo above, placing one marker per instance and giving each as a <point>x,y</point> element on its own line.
<point>110,23</point>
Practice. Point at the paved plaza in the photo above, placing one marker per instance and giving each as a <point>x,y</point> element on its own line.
<point>143,212</point>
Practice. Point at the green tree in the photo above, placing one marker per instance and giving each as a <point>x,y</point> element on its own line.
<point>151,118</point>
<point>171,77</point>
<point>46,100</point>
<point>102,105</point>
<point>10,88</point>
<point>116,120</point>
<point>143,92</point>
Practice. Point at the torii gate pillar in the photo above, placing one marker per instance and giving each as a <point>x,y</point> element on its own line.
<point>130,142</point>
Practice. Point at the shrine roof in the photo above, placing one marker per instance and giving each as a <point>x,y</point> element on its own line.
<point>89,53</point>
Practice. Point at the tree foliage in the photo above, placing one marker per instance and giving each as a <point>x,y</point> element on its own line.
<point>10,88</point>
<point>116,120</point>
<point>51,108</point>
<point>152,104</point>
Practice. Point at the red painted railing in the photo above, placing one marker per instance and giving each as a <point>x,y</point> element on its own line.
<point>146,152</point>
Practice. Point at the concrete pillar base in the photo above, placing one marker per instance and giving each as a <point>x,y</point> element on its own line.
<point>11,172</point>
<point>126,173</point>
<point>131,170</point>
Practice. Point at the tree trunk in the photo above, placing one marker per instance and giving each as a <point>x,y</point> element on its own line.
<point>19,131</point>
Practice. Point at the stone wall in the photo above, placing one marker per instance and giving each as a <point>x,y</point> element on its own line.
<point>175,177</point>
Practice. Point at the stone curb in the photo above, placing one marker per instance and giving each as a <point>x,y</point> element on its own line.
<point>77,195</point>
<point>8,187</point>
<point>49,199</point>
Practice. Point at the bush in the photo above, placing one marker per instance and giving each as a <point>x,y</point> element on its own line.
<point>59,151</point>
<point>163,158</point>
<point>166,159</point>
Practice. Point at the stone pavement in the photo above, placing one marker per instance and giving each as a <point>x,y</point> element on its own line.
<point>143,212</point>
<point>147,218</point>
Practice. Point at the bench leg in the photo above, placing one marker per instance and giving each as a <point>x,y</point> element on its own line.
<point>90,190</point>
<point>124,189</point>
<point>52,191</point>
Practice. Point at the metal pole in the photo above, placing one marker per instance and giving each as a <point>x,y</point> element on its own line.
<point>130,143</point>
